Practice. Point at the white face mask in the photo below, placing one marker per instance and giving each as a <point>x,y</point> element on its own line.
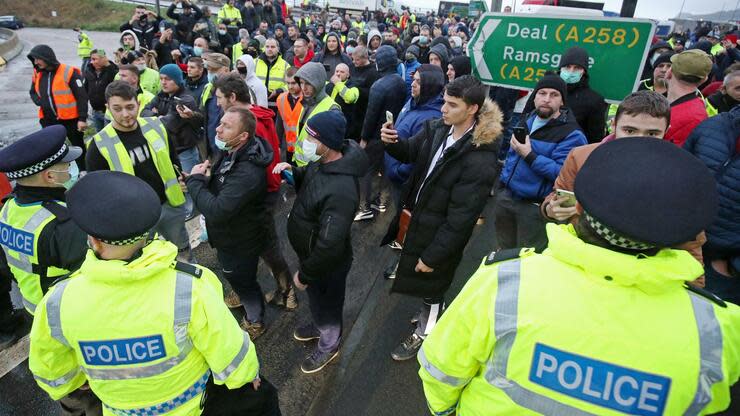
<point>141,67</point>
<point>309,150</point>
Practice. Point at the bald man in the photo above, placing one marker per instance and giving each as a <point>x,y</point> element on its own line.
<point>343,90</point>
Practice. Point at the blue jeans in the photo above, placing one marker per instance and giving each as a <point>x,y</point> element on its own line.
<point>326,301</point>
<point>188,159</point>
<point>98,119</point>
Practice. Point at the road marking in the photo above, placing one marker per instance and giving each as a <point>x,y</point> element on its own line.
<point>12,356</point>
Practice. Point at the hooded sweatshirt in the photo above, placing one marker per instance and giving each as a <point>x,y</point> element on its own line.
<point>266,130</point>
<point>256,87</point>
<point>387,93</point>
<point>137,44</point>
<point>441,51</point>
<point>314,74</point>
<point>331,60</point>
<point>44,98</point>
<point>370,35</point>
<point>413,115</point>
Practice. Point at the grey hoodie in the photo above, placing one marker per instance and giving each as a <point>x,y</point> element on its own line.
<point>314,74</point>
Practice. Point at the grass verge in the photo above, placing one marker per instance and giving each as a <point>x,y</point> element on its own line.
<point>89,14</point>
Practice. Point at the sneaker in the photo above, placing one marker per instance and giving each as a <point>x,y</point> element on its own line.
<point>317,361</point>
<point>414,319</point>
<point>365,214</point>
<point>306,333</point>
<point>287,299</point>
<point>408,348</point>
<point>395,245</point>
<point>379,206</point>
<point>390,272</point>
<point>232,300</point>
<point>254,329</point>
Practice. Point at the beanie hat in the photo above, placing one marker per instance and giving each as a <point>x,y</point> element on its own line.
<point>551,80</point>
<point>173,72</point>
<point>328,127</point>
<point>575,56</point>
<point>663,58</point>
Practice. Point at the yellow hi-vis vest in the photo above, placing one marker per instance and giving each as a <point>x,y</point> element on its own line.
<point>145,335</point>
<point>581,330</point>
<point>327,104</point>
<point>20,229</point>
<point>85,46</point>
<point>274,77</point>
<point>143,98</point>
<point>118,159</point>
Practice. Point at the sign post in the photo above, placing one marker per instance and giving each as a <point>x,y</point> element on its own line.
<point>515,51</point>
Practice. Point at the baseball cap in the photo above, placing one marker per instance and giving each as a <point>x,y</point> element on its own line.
<point>693,62</point>
<point>216,60</point>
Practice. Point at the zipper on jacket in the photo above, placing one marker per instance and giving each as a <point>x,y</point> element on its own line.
<point>328,224</point>
<point>48,94</point>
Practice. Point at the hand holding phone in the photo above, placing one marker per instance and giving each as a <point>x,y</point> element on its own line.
<point>389,117</point>
<point>568,198</point>
<point>520,134</point>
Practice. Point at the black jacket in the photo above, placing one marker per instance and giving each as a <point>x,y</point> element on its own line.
<point>95,83</point>
<point>185,132</point>
<point>320,222</point>
<point>188,20</point>
<point>144,31</point>
<point>195,87</point>
<point>388,93</point>
<point>61,243</point>
<point>363,77</point>
<point>46,101</point>
<point>587,105</point>
<point>232,200</point>
<point>449,201</point>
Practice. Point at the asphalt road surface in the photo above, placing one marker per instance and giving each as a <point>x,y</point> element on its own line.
<point>363,380</point>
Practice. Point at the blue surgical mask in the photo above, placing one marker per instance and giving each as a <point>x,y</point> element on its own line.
<point>309,150</point>
<point>212,77</point>
<point>74,174</point>
<point>222,145</point>
<point>350,49</point>
<point>197,51</point>
<point>570,77</point>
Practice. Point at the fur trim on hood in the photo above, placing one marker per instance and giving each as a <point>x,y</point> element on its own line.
<point>490,124</point>
<point>136,39</point>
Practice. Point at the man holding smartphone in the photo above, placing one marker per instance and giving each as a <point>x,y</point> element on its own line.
<point>539,147</point>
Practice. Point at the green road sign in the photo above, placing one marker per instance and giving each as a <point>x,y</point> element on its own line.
<point>477,7</point>
<point>516,50</point>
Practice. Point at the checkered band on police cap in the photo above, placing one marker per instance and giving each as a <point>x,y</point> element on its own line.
<point>38,167</point>
<point>127,241</point>
<point>615,238</point>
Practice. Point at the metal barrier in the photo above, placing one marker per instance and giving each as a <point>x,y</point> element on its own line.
<point>10,45</point>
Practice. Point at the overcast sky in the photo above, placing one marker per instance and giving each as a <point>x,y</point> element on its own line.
<point>656,9</point>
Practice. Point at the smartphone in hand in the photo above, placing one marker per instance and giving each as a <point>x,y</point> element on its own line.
<point>568,197</point>
<point>389,117</point>
<point>520,134</point>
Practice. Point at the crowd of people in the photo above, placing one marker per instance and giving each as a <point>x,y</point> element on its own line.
<point>205,116</point>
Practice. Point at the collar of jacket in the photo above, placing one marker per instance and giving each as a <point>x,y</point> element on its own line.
<point>155,258</point>
<point>667,270</point>
<point>30,194</point>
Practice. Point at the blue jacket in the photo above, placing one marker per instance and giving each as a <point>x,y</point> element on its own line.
<point>410,121</point>
<point>714,142</point>
<point>408,76</point>
<point>532,179</point>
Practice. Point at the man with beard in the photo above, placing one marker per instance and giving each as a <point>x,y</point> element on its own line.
<point>658,82</point>
<point>531,167</point>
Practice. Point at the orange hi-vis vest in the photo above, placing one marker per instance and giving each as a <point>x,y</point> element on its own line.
<point>290,118</point>
<point>64,100</point>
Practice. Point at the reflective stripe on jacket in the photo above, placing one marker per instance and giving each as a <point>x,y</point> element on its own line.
<point>64,100</point>
<point>324,105</point>
<point>290,118</point>
<point>20,229</point>
<point>274,76</point>
<point>581,330</point>
<point>145,334</point>
<point>118,159</point>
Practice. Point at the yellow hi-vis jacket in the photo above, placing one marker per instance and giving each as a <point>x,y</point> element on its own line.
<point>85,45</point>
<point>272,76</point>
<point>20,229</point>
<point>145,335</point>
<point>326,104</point>
<point>118,159</point>
<point>581,330</point>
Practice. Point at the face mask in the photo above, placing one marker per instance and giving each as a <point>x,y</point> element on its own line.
<point>197,51</point>
<point>423,40</point>
<point>222,145</point>
<point>141,67</point>
<point>221,32</point>
<point>350,49</point>
<point>212,77</point>
<point>570,77</point>
<point>242,69</point>
<point>74,174</point>
<point>309,150</point>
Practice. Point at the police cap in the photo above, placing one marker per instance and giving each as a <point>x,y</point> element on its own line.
<point>114,207</point>
<point>647,190</point>
<point>36,152</point>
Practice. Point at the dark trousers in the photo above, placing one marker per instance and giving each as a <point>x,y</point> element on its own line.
<point>326,300</point>
<point>241,272</point>
<point>81,403</point>
<point>75,137</point>
<point>7,323</point>
<point>727,288</point>
<point>429,315</point>
<point>518,223</point>
<point>371,184</point>
<point>244,401</point>
<point>272,255</point>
